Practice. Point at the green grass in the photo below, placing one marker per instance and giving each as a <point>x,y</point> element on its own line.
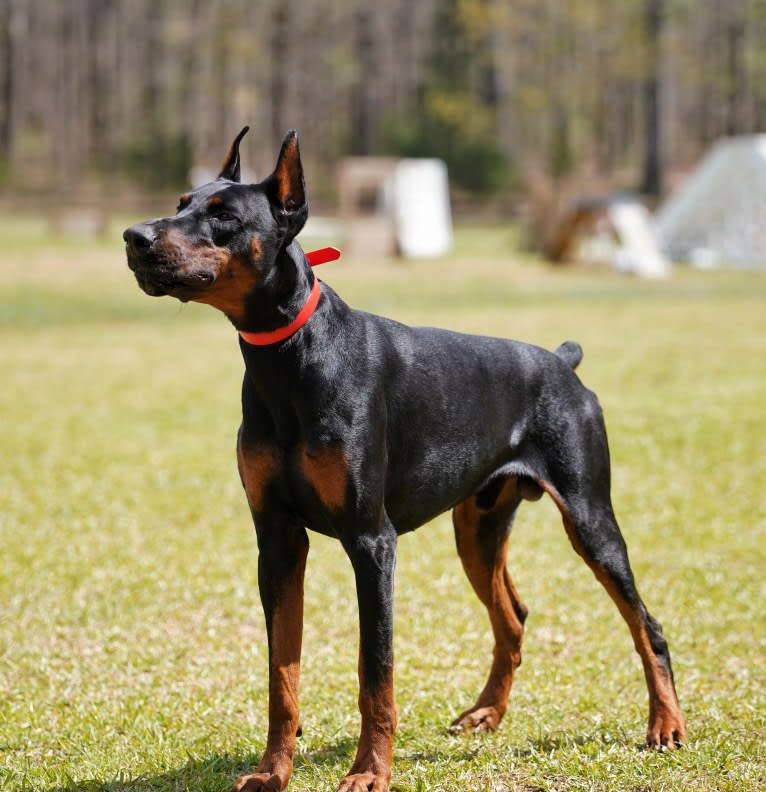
<point>132,650</point>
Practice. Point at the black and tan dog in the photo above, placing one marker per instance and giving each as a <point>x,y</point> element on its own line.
<point>363,429</point>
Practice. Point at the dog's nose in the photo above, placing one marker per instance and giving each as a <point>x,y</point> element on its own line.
<point>139,237</point>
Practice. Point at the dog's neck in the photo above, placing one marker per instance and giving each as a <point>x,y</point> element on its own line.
<point>284,302</point>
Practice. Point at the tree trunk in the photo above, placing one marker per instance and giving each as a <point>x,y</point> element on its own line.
<point>360,110</point>
<point>735,71</point>
<point>15,25</point>
<point>653,20</point>
<point>280,61</point>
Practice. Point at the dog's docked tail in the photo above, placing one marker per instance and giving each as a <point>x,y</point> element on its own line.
<point>571,353</point>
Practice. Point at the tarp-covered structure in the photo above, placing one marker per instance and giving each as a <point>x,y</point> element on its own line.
<point>717,217</point>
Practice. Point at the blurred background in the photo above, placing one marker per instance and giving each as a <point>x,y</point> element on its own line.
<point>525,100</point>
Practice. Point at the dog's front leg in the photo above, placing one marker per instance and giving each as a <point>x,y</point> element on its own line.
<point>373,559</point>
<point>282,551</point>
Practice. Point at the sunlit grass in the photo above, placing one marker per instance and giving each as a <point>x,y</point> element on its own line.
<point>132,650</point>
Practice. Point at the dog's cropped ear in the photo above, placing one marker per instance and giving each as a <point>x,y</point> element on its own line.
<point>286,187</point>
<point>289,187</point>
<point>230,169</point>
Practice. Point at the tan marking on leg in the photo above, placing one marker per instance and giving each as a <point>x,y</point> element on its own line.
<point>372,765</point>
<point>276,766</point>
<point>492,583</point>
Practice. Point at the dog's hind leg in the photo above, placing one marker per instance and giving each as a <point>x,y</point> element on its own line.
<point>581,492</point>
<point>597,538</point>
<point>482,527</point>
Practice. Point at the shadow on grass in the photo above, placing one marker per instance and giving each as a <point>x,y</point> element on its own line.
<point>217,773</point>
<point>213,773</point>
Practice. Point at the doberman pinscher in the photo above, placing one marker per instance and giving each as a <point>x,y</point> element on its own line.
<point>363,429</point>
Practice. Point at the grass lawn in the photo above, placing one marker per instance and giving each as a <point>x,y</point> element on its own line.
<point>132,648</point>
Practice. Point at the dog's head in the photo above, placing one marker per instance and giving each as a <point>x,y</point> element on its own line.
<point>224,240</point>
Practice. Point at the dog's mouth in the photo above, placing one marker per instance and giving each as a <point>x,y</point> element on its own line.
<point>157,279</point>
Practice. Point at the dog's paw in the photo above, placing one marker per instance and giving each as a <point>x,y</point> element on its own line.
<point>477,719</point>
<point>364,782</point>
<point>258,782</point>
<point>666,733</point>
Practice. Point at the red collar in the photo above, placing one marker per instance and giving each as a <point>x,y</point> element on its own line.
<point>314,258</point>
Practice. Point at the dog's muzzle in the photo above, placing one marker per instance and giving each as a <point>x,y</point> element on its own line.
<point>158,273</point>
<point>139,239</point>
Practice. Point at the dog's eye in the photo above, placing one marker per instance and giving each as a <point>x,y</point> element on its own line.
<point>224,217</point>
<point>183,203</point>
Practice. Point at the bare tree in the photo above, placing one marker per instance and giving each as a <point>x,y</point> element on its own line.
<point>589,87</point>
<point>14,30</point>
<point>654,11</point>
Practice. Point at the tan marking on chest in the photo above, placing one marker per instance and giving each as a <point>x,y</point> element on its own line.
<point>258,467</point>
<point>327,471</point>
